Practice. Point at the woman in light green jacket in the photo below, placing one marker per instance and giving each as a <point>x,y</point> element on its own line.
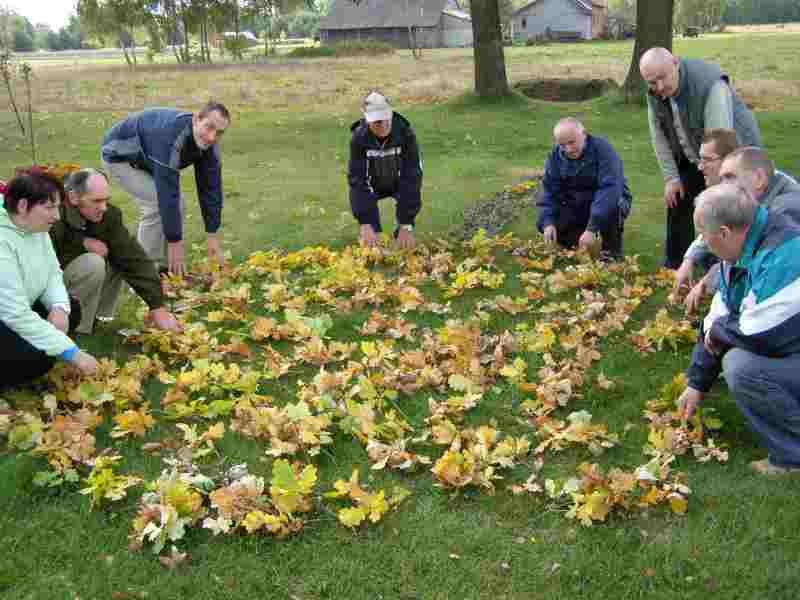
<point>34,305</point>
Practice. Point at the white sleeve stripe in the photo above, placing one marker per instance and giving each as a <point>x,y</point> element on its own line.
<point>718,309</point>
<point>768,314</point>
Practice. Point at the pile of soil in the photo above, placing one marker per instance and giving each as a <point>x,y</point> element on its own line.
<point>493,214</point>
<point>565,90</point>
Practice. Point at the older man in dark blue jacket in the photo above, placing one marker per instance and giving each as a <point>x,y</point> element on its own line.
<point>145,153</point>
<point>585,194</point>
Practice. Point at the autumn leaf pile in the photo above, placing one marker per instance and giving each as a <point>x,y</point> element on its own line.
<point>401,353</point>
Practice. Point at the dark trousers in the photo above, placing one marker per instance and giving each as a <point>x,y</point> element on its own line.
<point>680,220</point>
<point>375,214</point>
<point>611,235</point>
<point>20,362</point>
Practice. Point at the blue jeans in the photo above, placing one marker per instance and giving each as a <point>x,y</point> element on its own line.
<point>767,392</point>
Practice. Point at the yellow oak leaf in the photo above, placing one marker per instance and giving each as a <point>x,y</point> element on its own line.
<point>352,517</point>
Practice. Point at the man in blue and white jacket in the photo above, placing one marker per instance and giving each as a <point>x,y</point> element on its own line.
<point>584,193</point>
<point>145,153</point>
<point>752,331</point>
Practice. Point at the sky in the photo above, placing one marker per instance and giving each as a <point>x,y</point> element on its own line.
<point>52,12</point>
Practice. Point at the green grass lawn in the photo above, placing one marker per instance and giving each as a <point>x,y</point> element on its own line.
<point>284,177</point>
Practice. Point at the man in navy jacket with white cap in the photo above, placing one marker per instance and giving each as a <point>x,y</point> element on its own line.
<point>384,162</point>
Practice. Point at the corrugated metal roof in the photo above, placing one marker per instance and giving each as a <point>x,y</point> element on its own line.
<point>373,14</point>
<point>581,4</point>
<point>458,14</point>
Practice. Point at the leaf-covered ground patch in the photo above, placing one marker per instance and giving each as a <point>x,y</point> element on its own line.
<point>455,363</point>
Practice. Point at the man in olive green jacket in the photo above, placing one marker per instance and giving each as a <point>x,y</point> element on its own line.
<point>97,254</point>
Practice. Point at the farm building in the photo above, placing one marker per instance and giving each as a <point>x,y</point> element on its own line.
<point>433,23</point>
<point>560,19</point>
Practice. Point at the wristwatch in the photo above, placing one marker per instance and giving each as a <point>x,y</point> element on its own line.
<point>65,308</point>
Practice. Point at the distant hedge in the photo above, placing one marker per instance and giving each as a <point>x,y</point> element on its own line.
<point>348,48</point>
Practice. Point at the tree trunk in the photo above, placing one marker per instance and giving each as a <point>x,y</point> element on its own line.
<point>204,46</point>
<point>124,50</point>
<point>268,33</point>
<point>490,62</point>
<point>237,49</point>
<point>187,57</point>
<point>416,47</point>
<point>653,28</point>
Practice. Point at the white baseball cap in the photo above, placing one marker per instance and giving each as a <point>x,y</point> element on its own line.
<point>377,108</point>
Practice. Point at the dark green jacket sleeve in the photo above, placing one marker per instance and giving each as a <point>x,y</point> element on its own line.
<point>128,258</point>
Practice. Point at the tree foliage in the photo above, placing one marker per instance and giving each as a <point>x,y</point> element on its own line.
<point>66,38</point>
<point>115,18</point>
<point>698,13</point>
<point>761,11</point>
<point>304,23</point>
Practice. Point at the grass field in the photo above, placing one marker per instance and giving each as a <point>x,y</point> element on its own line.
<point>284,165</point>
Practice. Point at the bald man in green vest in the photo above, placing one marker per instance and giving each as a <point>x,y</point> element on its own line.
<point>685,98</point>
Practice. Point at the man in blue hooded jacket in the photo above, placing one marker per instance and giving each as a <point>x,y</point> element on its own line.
<point>584,193</point>
<point>145,153</point>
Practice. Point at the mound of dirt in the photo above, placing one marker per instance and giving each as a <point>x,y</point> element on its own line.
<point>564,90</point>
<point>493,214</point>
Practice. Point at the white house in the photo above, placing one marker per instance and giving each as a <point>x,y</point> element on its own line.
<point>583,19</point>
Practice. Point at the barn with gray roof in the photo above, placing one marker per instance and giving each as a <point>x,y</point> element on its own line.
<point>433,23</point>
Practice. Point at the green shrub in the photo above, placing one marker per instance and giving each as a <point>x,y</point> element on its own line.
<point>236,46</point>
<point>348,48</point>
<point>312,52</point>
<point>363,47</point>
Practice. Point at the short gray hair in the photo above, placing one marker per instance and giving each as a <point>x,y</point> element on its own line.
<point>569,121</point>
<point>751,159</point>
<point>725,204</point>
<point>78,181</point>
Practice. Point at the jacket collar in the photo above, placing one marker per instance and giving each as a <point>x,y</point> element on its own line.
<point>7,223</point>
<point>754,236</point>
<point>777,185</point>
<point>588,149</point>
<point>72,216</point>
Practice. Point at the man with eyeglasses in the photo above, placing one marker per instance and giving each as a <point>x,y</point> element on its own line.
<point>98,254</point>
<point>753,170</point>
<point>585,195</point>
<point>717,144</point>
<point>685,98</point>
<point>384,162</point>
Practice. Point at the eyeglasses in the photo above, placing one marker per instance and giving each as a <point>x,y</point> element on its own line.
<point>709,159</point>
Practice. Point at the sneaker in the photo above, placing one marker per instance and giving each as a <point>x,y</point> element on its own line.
<point>764,467</point>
